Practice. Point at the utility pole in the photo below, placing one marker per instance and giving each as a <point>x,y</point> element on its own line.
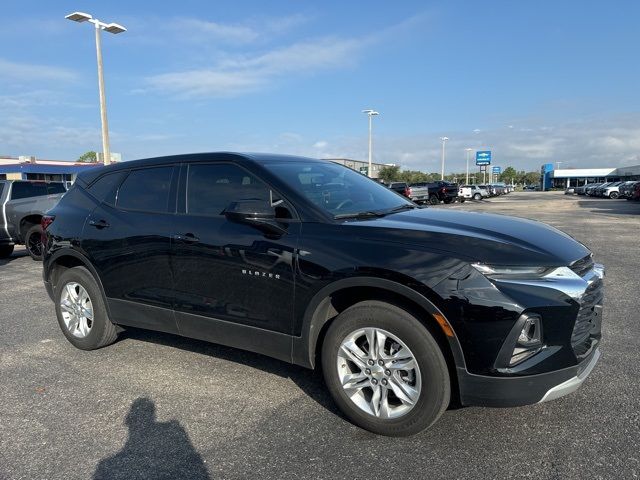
<point>444,140</point>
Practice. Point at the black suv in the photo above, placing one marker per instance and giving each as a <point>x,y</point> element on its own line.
<point>315,264</point>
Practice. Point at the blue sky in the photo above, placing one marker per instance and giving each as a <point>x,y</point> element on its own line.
<point>535,82</point>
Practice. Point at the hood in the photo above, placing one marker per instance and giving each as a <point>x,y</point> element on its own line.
<point>478,237</point>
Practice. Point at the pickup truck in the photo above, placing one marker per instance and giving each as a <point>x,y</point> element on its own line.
<point>434,192</point>
<point>22,205</point>
<point>401,187</point>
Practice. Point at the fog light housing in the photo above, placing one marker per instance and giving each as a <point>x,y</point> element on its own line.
<point>529,340</point>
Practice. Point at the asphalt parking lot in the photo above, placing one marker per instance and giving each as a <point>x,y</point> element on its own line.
<point>159,406</point>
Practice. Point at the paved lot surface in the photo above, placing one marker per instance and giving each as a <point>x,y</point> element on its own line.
<point>159,406</point>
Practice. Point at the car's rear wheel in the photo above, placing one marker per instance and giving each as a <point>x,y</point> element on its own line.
<point>6,251</point>
<point>433,200</point>
<point>385,370</point>
<point>33,242</point>
<point>614,195</point>
<point>477,196</point>
<point>81,311</point>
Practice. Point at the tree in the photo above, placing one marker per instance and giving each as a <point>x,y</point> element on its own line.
<point>532,177</point>
<point>508,175</point>
<point>88,157</point>
<point>389,173</point>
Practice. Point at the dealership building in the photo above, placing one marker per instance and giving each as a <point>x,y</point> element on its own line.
<point>575,177</point>
<point>30,168</point>
<point>362,166</point>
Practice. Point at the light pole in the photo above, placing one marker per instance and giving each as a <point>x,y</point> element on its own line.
<point>444,139</point>
<point>111,28</point>
<point>370,113</point>
<point>468,150</point>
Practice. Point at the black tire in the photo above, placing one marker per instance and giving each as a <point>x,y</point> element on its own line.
<point>102,332</point>
<point>477,196</point>
<point>7,250</point>
<point>33,242</point>
<point>436,387</point>
<point>448,200</point>
<point>614,195</point>
<point>461,199</point>
<point>433,200</point>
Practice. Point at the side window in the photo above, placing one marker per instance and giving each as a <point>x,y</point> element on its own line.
<point>211,188</point>
<point>54,188</point>
<point>104,188</point>
<point>27,189</point>
<point>146,189</point>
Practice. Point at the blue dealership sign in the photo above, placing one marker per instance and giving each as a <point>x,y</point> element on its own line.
<point>496,170</point>
<point>483,157</point>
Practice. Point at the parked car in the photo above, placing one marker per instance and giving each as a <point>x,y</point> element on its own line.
<point>402,188</point>
<point>24,202</point>
<point>613,190</point>
<point>569,191</point>
<point>487,188</point>
<point>600,190</point>
<point>434,192</point>
<point>626,189</point>
<point>531,188</point>
<point>590,189</point>
<point>635,195</point>
<point>313,263</point>
<point>473,191</point>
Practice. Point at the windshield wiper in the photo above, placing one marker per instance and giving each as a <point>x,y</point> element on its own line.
<point>368,214</point>
<point>399,208</point>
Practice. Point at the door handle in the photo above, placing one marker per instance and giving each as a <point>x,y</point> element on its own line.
<point>186,238</point>
<point>99,224</point>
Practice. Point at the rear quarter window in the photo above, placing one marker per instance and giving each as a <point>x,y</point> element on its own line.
<point>146,189</point>
<point>55,188</point>
<point>104,188</point>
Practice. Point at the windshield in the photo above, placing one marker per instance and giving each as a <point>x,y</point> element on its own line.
<point>338,190</point>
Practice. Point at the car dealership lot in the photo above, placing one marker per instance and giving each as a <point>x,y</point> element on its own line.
<point>225,413</point>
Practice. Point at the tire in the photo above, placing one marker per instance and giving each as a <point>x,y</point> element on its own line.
<point>434,385</point>
<point>101,331</point>
<point>6,251</point>
<point>477,197</point>
<point>461,199</point>
<point>433,200</point>
<point>614,195</point>
<point>33,242</point>
<point>448,200</point>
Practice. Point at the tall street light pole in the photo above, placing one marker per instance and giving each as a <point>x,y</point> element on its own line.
<point>468,150</point>
<point>444,139</point>
<point>111,28</point>
<point>370,113</point>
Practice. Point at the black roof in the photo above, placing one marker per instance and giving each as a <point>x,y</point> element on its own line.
<point>88,176</point>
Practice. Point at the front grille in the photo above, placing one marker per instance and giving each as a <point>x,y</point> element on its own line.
<point>588,320</point>
<point>582,266</point>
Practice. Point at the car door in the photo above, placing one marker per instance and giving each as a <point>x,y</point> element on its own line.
<point>234,284</point>
<point>127,239</point>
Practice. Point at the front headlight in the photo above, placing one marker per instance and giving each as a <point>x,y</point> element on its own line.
<point>500,271</point>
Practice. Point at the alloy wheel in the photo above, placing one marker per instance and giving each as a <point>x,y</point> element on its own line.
<point>379,373</point>
<point>77,309</point>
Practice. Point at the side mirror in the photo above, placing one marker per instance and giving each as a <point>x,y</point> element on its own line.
<point>257,213</point>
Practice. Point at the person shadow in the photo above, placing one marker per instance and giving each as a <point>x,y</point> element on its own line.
<point>154,450</point>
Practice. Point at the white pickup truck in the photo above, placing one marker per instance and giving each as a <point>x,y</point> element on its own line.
<point>474,192</point>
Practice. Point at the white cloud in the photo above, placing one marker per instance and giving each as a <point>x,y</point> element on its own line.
<point>320,144</point>
<point>34,72</point>
<point>195,29</point>
<point>240,74</point>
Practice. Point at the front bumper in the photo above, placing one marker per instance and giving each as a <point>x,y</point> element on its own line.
<point>482,390</point>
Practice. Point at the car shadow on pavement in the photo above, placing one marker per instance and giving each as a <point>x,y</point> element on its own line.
<point>611,207</point>
<point>309,381</point>
<point>14,256</point>
<point>153,450</point>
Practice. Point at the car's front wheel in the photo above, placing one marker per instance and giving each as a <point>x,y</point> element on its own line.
<point>477,196</point>
<point>81,311</point>
<point>385,370</point>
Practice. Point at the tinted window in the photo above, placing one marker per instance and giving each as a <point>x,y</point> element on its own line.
<point>104,188</point>
<point>146,189</point>
<point>28,189</point>
<point>336,189</point>
<point>211,188</point>
<point>54,188</point>
<point>1,189</point>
